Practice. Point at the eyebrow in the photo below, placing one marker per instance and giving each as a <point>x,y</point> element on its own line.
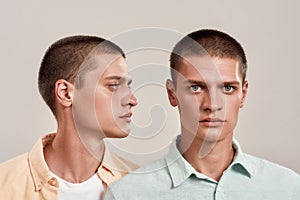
<point>196,82</point>
<point>112,77</point>
<point>122,78</point>
<point>231,83</point>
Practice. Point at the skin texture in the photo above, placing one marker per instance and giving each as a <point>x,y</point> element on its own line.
<point>209,94</point>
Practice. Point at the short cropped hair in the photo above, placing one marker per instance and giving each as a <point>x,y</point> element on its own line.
<point>63,59</point>
<point>208,42</point>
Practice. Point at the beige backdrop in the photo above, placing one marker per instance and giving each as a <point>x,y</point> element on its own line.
<point>269,32</point>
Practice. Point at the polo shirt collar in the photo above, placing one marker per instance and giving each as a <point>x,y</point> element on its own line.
<point>241,159</point>
<point>180,170</point>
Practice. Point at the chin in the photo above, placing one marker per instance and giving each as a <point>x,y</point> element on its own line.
<point>211,135</point>
<point>212,139</point>
<point>118,134</point>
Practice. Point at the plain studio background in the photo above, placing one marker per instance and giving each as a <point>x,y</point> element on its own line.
<point>269,32</point>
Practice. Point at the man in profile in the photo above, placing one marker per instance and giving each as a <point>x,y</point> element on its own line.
<point>85,82</point>
<point>209,87</point>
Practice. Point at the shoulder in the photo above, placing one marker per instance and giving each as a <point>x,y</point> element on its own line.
<point>272,171</point>
<point>14,165</point>
<point>263,164</point>
<point>14,171</point>
<point>138,182</point>
<point>120,163</point>
<point>149,173</point>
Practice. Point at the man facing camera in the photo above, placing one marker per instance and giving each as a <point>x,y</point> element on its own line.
<point>85,82</point>
<point>209,87</point>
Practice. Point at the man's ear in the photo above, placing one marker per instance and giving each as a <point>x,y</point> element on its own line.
<point>244,93</point>
<point>64,92</point>
<point>171,92</point>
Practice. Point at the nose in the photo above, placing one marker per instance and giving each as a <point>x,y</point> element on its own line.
<point>132,100</point>
<point>128,98</point>
<point>213,101</point>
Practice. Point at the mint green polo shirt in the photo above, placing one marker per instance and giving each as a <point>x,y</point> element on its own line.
<point>172,177</point>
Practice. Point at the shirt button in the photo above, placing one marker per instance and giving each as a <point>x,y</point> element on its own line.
<point>53,182</point>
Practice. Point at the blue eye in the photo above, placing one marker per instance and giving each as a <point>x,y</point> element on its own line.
<point>228,88</point>
<point>195,88</point>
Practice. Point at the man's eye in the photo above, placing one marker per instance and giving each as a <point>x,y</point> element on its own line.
<point>228,89</point>
<point>195,88</point>
<point>114,86</point>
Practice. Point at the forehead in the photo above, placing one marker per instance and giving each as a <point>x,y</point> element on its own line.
<point>108,65</point>
<point>117,67</point>
<point>210,69</point>
<point>104,66</point>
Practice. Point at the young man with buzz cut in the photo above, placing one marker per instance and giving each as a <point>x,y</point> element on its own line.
<point>209,86</point>
<point>85,82</point>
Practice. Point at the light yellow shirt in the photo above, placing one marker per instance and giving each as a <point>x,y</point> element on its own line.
<point>28,177</point>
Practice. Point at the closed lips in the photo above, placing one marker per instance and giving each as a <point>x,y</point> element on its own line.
<point>212,120</point>
<point>126,115</point>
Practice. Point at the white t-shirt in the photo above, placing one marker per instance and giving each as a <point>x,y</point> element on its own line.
<point>91,189</point>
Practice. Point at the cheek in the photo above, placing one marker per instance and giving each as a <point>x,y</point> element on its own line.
<point>189,113</point>
<point>115,103</point>
<point>102,98</point>
<point>188,106</point>
<point>232,107</point>
<point>103,107</point>
<point>83,109</point>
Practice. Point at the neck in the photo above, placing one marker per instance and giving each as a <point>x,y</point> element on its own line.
<point>67,156</point>
<point>208,157</point>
